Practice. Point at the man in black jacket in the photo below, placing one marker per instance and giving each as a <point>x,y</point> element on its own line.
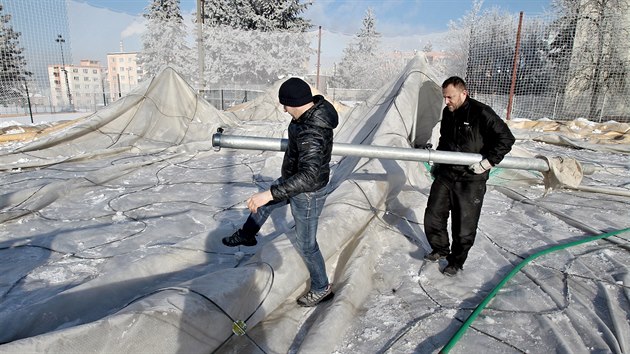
<point>467,126</point>
<point>303,185</point>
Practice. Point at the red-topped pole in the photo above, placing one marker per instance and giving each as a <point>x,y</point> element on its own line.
<point>515,66</point>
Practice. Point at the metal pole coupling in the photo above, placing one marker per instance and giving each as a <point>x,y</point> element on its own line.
<point>220,140</point>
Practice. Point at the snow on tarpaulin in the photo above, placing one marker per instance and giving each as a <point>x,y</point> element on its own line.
<point>116,224</point>
<point>580,133</point>
<point>163,114</point>
<point>115,246</point>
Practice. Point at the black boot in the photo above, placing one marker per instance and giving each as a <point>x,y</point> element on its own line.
<point>239,238</point>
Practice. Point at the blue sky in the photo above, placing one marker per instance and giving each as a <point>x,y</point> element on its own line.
<point>394,17</point>
<point>405,25</point>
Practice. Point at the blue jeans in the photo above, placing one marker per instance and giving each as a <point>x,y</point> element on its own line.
<point>306,209</point>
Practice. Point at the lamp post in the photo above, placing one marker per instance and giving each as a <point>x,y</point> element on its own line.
<point>118,80</point>
<point>28,98</point>
<point>103,88</point>
<point>129,79</point>
<point>61,41</point>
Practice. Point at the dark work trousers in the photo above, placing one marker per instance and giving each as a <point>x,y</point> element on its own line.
<point>464,200</point>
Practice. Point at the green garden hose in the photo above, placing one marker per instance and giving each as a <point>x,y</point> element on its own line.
<point>456,337</point>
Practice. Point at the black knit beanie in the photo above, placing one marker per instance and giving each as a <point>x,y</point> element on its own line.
<point>295,93</point>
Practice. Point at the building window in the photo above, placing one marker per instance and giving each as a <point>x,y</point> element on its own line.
<point>75,78</point>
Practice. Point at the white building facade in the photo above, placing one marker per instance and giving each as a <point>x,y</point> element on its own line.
<point>77,87</point>
<point>123,73</point>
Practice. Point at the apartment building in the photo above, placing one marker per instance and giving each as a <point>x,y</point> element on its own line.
<point>123,73</point>
<point>76,87</point>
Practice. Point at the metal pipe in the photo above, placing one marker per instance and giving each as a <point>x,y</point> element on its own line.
<point>386,152</point>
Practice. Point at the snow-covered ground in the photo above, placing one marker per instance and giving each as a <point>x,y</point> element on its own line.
<point>110,242</point>
<point>40,118</point>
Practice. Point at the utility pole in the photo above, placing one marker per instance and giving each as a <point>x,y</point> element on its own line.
<point>200,48</point>
<point>319,49</point>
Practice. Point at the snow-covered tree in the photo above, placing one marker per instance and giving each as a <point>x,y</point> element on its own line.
<point>599,56</point>
<point>262,15</point>
<point>534,71</point>
<point>364,64</point>
<point>164,41</point>
<point>13,73</point>
<point>428,47</point>
<point>253,56</point>
<point>491,55</point>
<point>254,41</point>
<point>459,38</point>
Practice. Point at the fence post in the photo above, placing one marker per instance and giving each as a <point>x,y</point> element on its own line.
<point>555,106</point>
<point>514,66</point>
<point>601,111</point>
<point>28,99</point>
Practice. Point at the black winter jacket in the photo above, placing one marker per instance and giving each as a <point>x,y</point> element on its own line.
<point>474,128</point>
<point>305,166</point>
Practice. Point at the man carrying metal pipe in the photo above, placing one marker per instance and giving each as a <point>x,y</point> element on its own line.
<point>467,126</point>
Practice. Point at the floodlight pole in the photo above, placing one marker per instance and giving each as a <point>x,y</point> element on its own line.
<point>61,41</point>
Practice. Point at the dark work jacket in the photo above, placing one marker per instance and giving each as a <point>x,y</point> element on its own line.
<point>474,128</point>
<point>305,167</point>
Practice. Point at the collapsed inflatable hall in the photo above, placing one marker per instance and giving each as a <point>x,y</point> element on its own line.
<point>111,227</point>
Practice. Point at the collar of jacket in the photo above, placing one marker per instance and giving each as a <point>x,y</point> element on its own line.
<point>317,100</point>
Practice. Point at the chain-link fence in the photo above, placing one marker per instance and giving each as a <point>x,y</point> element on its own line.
<point>226,98</point>
<point>560,67</point>
<point>33,36</point>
